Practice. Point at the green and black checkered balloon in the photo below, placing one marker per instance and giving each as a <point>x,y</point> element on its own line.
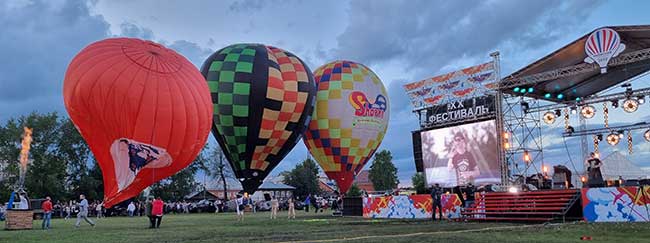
<point>263,98</point>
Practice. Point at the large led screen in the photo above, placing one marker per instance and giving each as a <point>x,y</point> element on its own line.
<point>456,156</point>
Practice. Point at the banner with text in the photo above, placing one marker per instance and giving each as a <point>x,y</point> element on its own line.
<point>469,109</point>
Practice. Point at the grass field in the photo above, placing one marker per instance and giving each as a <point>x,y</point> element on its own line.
<point>309,228</point>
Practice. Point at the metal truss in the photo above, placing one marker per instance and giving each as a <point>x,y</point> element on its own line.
<point>593,100</point>
<point>522,132</point>
<point>623,59</point>
<point>605,130</point>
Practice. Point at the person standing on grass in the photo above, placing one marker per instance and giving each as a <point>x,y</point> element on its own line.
<point>47,213</point>
<point>436,197</point>
<point>274,208</point>
<point>148,206</point>
<point>157,210</point>
<point>307,203</point>
<point>83,212</point>
<point>130,209</point>
<point>315,204</point>
<point>67,212</point>
<point>240,208</point>
<point>98,209</point>
<point>292,209</point>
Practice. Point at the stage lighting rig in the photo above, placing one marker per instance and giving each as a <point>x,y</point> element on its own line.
<point>613,139</point>
<point>640,99</point>
<point>630,105</point>
<point>574,110</point>
<point>588,111</point>
<point>525,106</point>
<point>569,130</point>
<point>549,117</point>
<point>646,135</point>
<point>614,104</point>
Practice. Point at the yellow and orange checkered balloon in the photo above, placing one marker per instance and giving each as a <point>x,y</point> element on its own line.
<point>349,120</point>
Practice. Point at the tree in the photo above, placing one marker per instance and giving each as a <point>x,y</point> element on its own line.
<point>354,191</point>
<point>383,173</point>
<point>419,183</point>
<point>304,177</point>
<point>216,166</point>
<point>176,187</point>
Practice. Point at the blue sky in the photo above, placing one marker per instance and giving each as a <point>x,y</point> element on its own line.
<point>402,41</point>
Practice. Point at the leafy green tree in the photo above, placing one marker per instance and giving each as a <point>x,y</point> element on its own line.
<point>304,177</point>
<point>354,191</point>
<point>383,173</point>
<point>181,184</point>
<point>419,183</point>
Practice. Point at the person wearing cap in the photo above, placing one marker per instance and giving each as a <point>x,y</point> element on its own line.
<point>47,213</point>
<point>462,161</point>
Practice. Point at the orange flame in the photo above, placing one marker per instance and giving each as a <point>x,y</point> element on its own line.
<point>26,145</point>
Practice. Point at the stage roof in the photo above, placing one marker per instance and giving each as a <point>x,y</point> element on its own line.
<point>581,79</point>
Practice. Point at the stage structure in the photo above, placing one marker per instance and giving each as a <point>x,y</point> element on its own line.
<point>575,81</point>
<point>458,142</point>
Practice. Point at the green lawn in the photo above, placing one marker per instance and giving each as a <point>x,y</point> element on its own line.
<point>308,227</point>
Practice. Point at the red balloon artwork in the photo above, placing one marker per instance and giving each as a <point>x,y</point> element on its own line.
<point>144,110</point>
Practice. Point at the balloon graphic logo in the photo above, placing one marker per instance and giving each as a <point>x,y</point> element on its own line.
<point>601,46</point>
<point>349,120</point>
<point>263,98</point>
<point>143,109</point>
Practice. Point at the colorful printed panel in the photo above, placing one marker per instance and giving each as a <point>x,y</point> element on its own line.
<point>616,204</point>
<point>453,86</point>
<point>409,207</point>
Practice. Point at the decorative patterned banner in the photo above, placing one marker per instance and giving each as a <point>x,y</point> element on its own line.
<point>454,86</point>
<point>409,207</point>
<point>616,204</point>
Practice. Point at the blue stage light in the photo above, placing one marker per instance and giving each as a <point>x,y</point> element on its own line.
<point>516,89</point>
<point>547,95</point>
<point>560,96</point>
<point>530,90</point>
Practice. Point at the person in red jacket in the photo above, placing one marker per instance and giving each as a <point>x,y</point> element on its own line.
<point>47,212</point>
<point>157,211</point>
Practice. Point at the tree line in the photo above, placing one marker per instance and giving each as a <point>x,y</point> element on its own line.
<point>62,165</point>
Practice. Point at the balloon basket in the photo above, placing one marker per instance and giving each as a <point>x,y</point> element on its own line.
<point>17,219</point>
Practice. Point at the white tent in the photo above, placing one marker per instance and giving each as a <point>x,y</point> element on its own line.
<point>616,164</point>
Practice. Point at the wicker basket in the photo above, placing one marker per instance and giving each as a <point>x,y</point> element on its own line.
<point>18,219</point>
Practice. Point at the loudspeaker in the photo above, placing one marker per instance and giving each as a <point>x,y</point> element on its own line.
<point>417,151</point>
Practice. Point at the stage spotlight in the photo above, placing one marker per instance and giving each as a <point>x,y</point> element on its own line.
<point>530,90</point>
<point>549,117</point>
<point>558,113</point>
<point>613,139</point>
<point>513,189</point>
<point>578,99</point>
<point>588,111</point>
<point>560,96</point>
<point>614,104</point>
<point>630,105</point>
<point>574,110</point>
<point>547,95</point>
<point>569,130</point>
<point>523,90</point>
<point>516,89</point>
<point>525,106</point>
<point>526,156</point>
<point>646,135</point>
<point>641,99</point>
<point>599,137</point>
<point>621,134</point>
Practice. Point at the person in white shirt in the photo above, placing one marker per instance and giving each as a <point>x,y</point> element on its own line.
<point>240,208</point>
<point>274,208</point>
<point>130,209</point>
<point>98,209</point>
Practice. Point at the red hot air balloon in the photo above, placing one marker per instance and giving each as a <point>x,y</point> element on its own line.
<point>144,110</point>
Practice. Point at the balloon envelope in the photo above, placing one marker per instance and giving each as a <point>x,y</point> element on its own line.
<point>263,98</point>
<point>143,109</point>
<point>349,120</point>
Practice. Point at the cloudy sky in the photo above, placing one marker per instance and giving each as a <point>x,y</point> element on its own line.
<point>402,41</point>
